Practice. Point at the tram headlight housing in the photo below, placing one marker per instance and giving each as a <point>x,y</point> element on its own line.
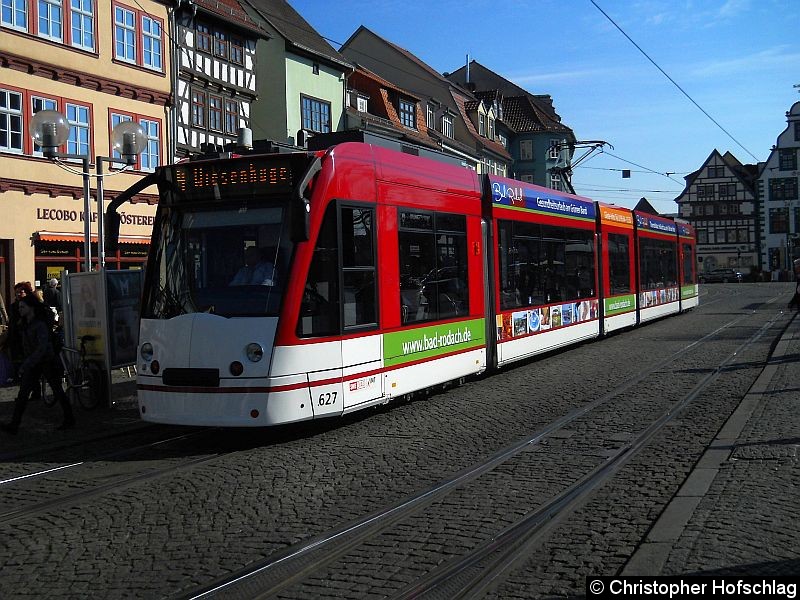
<point>146,351</point>
<point>254,352</point>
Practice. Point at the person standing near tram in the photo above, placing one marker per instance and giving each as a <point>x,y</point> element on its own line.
<point>40,358</point>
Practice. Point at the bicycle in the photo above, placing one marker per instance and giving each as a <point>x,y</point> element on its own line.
<point>84,378</point>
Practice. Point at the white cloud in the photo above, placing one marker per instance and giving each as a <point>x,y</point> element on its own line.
<point>779,57</point>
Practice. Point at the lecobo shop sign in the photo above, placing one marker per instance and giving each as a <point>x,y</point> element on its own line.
<point>57,214</point>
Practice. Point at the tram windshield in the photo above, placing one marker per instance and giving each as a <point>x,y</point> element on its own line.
<point>231,262</point>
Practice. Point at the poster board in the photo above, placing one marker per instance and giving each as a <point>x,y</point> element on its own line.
<point>123,292</point>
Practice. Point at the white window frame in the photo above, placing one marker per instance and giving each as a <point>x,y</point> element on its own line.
<point>155,61</point>
<point>407,111</point>
<point>555,181</point>
<point>361,104</point>
<point>51,14</point>
<point>84,13</point>
<point>18,11</point>
<point>448,129</point>
<point>150,157</point>
<point>554,153</point>
<point>11,115</point>
<point>44,104</point>
<point>430,117</point>
<point>76,127</point>
<point>116,119</point>
<point>128,32</point>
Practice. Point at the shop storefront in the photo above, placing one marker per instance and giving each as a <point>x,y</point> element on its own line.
<point>55,253</point>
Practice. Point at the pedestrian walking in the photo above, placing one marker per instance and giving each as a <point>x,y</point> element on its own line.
<point>39,359</point>
<point>14,336</point>
<point>795,301</point>
<point>52,297</point>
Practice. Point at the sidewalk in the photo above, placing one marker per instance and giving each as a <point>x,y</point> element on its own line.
<point>737,512</point>
<point>39,421</point>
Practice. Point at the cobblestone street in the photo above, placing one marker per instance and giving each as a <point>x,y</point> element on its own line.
<point>146,511</point>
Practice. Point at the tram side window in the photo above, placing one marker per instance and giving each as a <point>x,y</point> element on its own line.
<point>619,263</point>
<point>433,266</point>
<point>579,261</point>
<point>658,263</point>
<point>688,264</point>
<point>541,264</point>
<point>319,310</point>
<point>358,267</point>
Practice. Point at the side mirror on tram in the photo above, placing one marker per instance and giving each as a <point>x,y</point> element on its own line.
<point>301,202</point>
<point>111,237</point>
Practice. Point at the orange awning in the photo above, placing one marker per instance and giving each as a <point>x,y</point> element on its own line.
<point>49,236</point>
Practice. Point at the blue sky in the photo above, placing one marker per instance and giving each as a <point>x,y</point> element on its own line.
<point>738,59</point>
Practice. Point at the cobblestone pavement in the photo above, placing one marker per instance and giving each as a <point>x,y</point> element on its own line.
<point>285,485</point>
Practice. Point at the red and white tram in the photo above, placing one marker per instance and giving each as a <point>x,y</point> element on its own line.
<point>387,273</point>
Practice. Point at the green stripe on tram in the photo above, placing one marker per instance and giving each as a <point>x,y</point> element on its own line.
<point>429,342</point>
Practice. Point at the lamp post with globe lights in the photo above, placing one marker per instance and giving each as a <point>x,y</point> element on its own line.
<point>50,130</point>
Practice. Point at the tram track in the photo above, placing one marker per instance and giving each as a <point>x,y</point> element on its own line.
<point>293,565</point>
<point>44,478</point>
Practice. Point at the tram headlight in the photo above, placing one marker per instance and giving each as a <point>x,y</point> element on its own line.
<point>146,351</point>
<point>254,352</point>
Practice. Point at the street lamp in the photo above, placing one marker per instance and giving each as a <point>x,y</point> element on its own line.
<point>50,130</point>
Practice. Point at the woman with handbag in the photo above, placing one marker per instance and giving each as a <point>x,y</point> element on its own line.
<point>39,359</point>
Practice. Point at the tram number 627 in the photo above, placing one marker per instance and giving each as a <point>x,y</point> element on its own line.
<point>327,399</point>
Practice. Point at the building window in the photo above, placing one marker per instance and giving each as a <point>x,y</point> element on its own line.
<point>316,115</point>
<point>787,159</point>
<point>231,116</point>
<point>502,139</point>
<point>124,34</point>
<point>133,29</point>
<point>705,191</point>
<point>215,113</point>
<point>491,129</point>
<point>315,68</point>
<point>716,171</point>
<point>481,125</point>
<point>149,158</point>
<point>430,117</point>
<point>361,104</point>
<point>555,181</point>
<point>778,221</point>
<point>151,43</point>
<point>407,114</point>
<point>82,23</point>
<point>203,38</point>
<point>702,236</point>
<point>526,149</point>
<point>783,188</point>
<point>15,14</point>
<point>237,51</point>
<point>221,44</point>
<point>198,108</point>
<point>526,178</point>
<point>10,120</point>
<point>447,126</point>
<point>727,190</point>
<point>51,19</point>
<point>78,119</point>
<point>554,153</point>
<point>39,103</point>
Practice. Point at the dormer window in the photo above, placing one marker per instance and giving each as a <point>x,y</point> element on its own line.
<point>315,68</point>
<point>407,112</point>
<point>447,126</point>
<point>361,104</point>
<point>491,128</point>
<point>482,124</point>
<point>430,117</point>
